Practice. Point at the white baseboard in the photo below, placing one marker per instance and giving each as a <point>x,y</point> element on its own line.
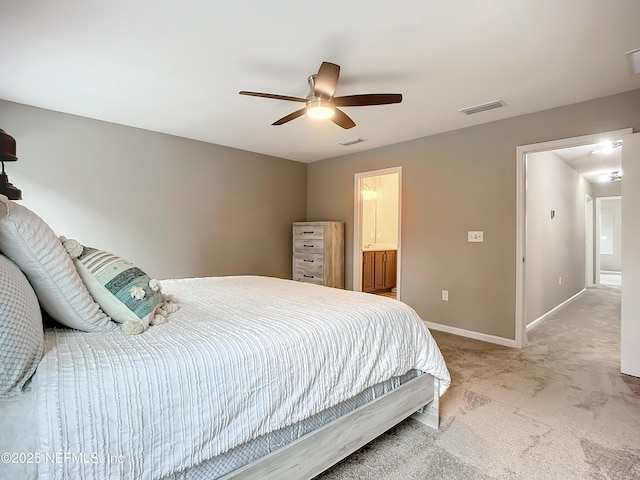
<point>507,342</point>
<point>542,318</point>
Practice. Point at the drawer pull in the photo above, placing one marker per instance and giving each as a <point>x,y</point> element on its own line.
<point>307,260</point>
<point>309,246</point>
<point>309,232</point>
<point>308,276</point>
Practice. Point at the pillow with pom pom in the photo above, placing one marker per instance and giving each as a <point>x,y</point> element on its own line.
<point>29,241</point>
<point>122,290</point>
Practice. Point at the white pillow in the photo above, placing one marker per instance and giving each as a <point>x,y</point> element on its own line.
<point>21,334</point>
<point>27,240</point>
<point>121,289</point>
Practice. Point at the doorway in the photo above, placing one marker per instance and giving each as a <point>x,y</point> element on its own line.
<point>522,154</point>
<point>609,241</point>
<point>377,231</point>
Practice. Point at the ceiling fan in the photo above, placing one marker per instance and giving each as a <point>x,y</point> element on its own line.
<point>320,102</point>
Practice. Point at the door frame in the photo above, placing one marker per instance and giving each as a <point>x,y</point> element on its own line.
<point>357,225</point>
<point>521,233</point>
<point>589,252</point>
<point>598,213</point>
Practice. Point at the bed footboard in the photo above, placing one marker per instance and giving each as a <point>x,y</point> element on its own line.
<point>429,415</point>
<point>313,453</point>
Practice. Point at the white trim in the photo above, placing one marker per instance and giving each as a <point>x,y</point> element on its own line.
<point>589,234</point>
<point>543,317</point>
<point>357,228</point>
<point>630,310</point>
<point>521,155</point>
<point>596,277</point>
<point>485,337</point>
<point>521,235</point>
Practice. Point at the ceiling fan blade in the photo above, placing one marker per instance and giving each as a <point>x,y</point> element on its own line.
<point>342,119</point>
<point>274,96</point>
<point>326,80</point>
<point>367,99</point>
<point>291,116</point>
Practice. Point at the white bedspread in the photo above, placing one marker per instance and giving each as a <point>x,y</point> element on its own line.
<point>242,357</point>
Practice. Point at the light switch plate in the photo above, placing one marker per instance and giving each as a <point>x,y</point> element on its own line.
<point>475,236</point>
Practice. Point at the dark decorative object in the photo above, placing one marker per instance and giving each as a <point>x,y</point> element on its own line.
<point>8,154</point>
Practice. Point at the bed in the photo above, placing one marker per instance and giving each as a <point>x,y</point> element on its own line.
<point>253,377</point>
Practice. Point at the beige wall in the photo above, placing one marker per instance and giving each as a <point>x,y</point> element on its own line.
<point>454,182</point>
<point>183,208</point>
<point>555,268</point>
<point>175,207</point>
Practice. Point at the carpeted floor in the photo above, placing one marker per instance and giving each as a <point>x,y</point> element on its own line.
<point>557,409</point>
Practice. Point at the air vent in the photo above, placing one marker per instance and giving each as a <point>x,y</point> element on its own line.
<point>350,141</point>
<point>483,107</point>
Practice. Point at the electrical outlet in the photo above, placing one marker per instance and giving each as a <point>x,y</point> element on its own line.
<point>445,295</point>
<point>559,280</point>
<point>475,236</point>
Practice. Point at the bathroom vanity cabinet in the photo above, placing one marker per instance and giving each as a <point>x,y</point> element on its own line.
<point>378,270</point>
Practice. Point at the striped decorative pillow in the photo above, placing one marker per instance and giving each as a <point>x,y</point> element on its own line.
<point>122,290</point>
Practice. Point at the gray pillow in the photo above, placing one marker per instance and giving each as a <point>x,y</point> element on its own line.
<point>27,240</point>
<point>21,333</point>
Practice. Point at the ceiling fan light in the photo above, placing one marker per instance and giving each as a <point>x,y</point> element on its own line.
<point>320,109</point>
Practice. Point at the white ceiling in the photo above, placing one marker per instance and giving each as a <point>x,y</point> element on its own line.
<point>591,161</point>
<point>177,67</point>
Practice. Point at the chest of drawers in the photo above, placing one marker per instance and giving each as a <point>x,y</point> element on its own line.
<point>318,253</point>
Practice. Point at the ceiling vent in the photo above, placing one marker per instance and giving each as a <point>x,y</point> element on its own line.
<point>350,141</point>
<point>483,107</point>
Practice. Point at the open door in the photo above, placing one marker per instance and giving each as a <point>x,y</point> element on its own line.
<point>630,314</point>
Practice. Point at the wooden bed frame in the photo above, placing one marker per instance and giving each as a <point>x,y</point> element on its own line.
<point>313,453</point>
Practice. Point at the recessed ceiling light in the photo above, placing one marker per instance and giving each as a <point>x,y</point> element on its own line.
<point>633,61</point>
<point>483,107</point>
<point>350,141</point>
<point>606,148</point>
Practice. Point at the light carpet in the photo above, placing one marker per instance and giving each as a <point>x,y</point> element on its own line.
<point>557,409</point>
